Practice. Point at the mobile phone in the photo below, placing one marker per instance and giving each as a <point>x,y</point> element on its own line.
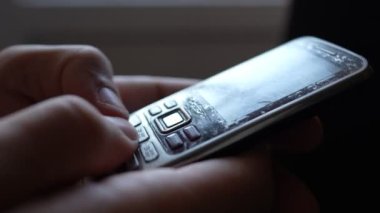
<point>243,100</point>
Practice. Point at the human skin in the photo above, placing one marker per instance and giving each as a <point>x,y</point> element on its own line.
<point>64,118</point>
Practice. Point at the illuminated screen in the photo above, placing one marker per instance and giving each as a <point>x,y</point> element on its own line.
<point>263,80</point>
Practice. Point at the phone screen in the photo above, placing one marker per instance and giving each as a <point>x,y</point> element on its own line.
<point>262,81</point>
<point>269,80</point>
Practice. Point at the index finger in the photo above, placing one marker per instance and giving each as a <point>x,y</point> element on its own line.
<point>139,91</point>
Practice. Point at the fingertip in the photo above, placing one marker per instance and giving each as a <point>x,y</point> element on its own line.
<point>110,103</point>
<point>88,73</point>
<point>125,127</point>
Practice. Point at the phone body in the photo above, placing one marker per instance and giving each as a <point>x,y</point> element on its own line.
<point>243,100</point>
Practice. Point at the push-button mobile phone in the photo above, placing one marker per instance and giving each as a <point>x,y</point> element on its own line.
<point>243,100</point>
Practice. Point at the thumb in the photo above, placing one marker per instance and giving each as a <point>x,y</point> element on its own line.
<point>32,73</point>
<point>58,142</point>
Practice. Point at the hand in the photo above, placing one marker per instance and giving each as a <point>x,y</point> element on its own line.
<point>250,182</point>
<point>62,120</point>
<point>62,140</point>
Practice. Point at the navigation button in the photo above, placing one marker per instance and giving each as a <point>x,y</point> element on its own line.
<point>172,119</point>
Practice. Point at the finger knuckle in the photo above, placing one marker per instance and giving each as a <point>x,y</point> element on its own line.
<point>89,55</point>
<point>12,56</point>
<point>83,116</point>
<point>10,49</point>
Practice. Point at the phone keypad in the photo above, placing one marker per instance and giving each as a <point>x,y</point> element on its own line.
<point>148,151</point>
<point>172,119</point>
<point>142,134</point>
<point>170,104</point>
<point>155,110</point>
<point>135,120</point>
<point>163,129</point>
<point>174,141</point>
<point>192,133</point>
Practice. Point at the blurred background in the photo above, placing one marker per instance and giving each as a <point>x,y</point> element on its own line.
<point>191,38</point>
<point>197,38</point>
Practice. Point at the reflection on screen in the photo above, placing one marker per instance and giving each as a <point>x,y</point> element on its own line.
<point>263,80</point>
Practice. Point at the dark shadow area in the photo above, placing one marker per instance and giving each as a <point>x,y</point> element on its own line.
<point>341,171</point>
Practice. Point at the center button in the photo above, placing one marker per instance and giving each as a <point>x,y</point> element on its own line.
<point>172,119</point>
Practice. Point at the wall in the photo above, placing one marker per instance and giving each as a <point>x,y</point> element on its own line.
<point>176,40</point>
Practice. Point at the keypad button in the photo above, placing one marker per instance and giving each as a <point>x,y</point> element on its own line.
<point>143,134</point>
<point>170,104</point>
<point>155,110</point>
<point>172,119</point>
<point>135,120</point>
<point>133,163</point>
<point>148,151</point>
<point>192,132</point>
<point>174,141</point>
